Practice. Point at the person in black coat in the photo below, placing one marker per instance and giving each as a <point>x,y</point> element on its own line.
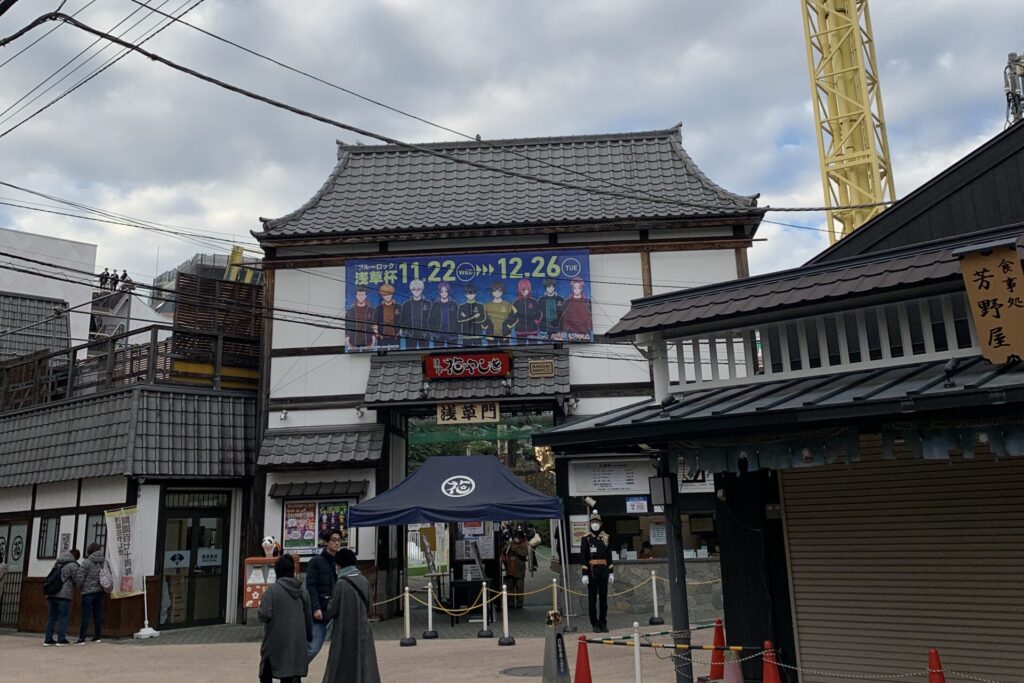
<point>321,573</point>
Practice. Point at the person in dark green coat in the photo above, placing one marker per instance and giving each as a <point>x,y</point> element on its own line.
<point>288,626</point>
<point>353,657</point>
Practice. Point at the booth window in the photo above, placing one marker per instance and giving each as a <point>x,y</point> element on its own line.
<point>49,530</point>
<point>96,530</point>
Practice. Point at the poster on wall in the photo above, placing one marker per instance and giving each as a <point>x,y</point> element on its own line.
<point>460,300</point>
<point>300,530</point>
<point>578,529</point>
<point>333,514</point>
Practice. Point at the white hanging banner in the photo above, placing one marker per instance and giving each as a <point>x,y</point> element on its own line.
<point>124,552</point>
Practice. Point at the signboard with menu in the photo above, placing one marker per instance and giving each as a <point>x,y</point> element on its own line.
<point>617,477</point>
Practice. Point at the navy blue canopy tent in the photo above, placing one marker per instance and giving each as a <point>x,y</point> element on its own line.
<point>456,488</point>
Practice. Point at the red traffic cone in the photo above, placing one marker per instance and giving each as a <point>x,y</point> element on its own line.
<point>582,662</point>
<point>733,672</point>
<point>770,671</point>
<point>935,672</point>
<point>718,656</point>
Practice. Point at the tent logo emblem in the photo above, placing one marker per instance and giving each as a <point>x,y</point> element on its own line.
<point>458,486</point>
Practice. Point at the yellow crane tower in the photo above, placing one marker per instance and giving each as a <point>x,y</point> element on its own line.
<point>852,144</point>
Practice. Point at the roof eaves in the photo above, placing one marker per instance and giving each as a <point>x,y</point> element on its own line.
<point>272,223</point>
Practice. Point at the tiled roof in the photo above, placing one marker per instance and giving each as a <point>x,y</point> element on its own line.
<point>887,393</point>
<point>137,432</point>
<point>319,489</point>
<point>398,378</point>
<point>893,270</point>
<point>352,444</point>
<point>378,188</point>
<point>47,332</point>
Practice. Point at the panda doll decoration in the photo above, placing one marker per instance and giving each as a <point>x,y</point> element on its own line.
<point>270,546</point>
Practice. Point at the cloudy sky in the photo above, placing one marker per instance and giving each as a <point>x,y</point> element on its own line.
<point>145,141</point>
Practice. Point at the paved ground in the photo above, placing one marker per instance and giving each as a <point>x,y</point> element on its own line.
<point>170,658</point>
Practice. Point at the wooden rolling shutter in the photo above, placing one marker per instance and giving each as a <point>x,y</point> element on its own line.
<point>890,558</point>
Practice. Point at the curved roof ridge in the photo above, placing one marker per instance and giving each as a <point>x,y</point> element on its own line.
<point>315,199</point>
<point>746,200</point>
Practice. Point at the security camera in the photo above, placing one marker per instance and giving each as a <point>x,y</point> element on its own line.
<point>590,502</point>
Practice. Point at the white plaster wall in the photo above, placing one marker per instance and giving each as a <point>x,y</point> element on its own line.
<point>37,567</point>
<point>297,419</point>
<point>615,280</point>
<point>272,516</point>
<point>60,494</point>
<point>104,491</point>
<point>606,364</point>
<point>451,245</point>
<point>16,499</point>
<point>319,291</point>
<point>319,375</point>
<point>148,516</point>
<point>597,406</point>
<point>674,270</point>
<point>61,252</point>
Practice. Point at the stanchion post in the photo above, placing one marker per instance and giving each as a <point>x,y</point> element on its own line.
<point>637,673</point>
<point>408,641</point>
<point>655,620</point>
<point>505,639</point>
<point>430,633</point>
<point>484,632</point>
<point>554,595</point>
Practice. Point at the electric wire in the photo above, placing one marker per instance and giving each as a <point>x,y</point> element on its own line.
<point>111,62</point>
<point>40,38</point>
<point>57,16</point>
<point>4,117</point>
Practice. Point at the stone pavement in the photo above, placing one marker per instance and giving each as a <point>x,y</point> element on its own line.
<point>175,657</point>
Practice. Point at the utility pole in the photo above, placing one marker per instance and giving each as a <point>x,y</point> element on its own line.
<point>1013,76</point>
<point>676,566</point>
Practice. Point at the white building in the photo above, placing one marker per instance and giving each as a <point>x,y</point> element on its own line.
<point>626,215</point>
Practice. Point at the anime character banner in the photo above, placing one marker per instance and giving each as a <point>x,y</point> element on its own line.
<point>468,300</point>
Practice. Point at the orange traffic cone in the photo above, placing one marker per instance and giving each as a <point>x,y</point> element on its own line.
<point>733,672</point>
<point>582,662</point>
<point>770,671</point>
<point>935,672</point>
<point>718,656</point>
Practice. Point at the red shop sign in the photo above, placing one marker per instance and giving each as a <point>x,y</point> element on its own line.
<point>466,365</point>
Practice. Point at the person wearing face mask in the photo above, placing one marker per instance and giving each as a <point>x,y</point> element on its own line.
<point>598,572</point>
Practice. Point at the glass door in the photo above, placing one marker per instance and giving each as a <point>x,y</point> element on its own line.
<point>194,571</point>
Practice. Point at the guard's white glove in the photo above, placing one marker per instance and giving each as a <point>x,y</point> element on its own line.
<point>586,580</point>
<point>611,579</point>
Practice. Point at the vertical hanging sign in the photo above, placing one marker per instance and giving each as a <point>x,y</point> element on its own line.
<point>995,294</point>
<point>124,552</point>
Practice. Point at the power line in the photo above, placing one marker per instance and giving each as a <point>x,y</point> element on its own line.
<point>97,71</point>
<point>40,38</point>
<point>56,16</point>
<point>306,317</point>
<point>3,114</point>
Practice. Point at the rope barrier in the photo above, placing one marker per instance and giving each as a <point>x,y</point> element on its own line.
<point>692,583</point>
<point>673,646</point>
<point>384,602</point>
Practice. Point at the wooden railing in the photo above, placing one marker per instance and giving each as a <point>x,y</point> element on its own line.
<point>925,329</point>
<point>158,354</point>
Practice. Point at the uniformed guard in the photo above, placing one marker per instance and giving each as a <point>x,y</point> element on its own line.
<point>598,572</point>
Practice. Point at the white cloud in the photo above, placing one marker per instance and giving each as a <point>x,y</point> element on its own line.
<point>146,141</point>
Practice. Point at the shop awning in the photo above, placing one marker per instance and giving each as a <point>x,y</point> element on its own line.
<point>467,488</point>
<point>319,489</point>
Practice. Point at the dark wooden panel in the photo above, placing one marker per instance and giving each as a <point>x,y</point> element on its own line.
<point>121,618</point>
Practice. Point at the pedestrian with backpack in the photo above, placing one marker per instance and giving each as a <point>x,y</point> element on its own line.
<point>93,592</point>
<point>59,588</point>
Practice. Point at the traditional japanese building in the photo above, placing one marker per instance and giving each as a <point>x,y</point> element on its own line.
<point>863,416</point>
<point>454,298</point>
